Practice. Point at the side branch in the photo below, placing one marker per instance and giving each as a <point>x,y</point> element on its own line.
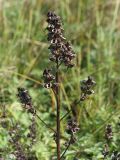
<point>66,115</point>
<point>69,143</point>
<point>45,123</point>
<point>73,104</point>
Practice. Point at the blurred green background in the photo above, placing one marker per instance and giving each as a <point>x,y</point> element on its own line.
<point>93,27</point>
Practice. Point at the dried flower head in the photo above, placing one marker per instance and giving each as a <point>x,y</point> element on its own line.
<point>86,88</point>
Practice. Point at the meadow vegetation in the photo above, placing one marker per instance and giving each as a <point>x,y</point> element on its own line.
<point>93,27</point>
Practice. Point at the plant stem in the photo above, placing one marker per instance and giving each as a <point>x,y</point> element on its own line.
<point>58,111</point>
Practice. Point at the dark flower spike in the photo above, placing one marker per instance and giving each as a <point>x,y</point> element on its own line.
<point>26,100</point>
<point>19,152</point>
<point>72,128</point>
<point>24,96</point>
<point>61,50</point>
<point>108,132</point>
<point>86,88</point>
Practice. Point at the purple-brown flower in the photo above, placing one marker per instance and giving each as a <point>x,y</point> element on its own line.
<point>48,78</point>
<point>72,127</point>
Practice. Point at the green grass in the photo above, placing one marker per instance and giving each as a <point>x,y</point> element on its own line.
<point>93,28</point>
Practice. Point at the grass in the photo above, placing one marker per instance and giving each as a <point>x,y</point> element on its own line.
<point>93,28</point>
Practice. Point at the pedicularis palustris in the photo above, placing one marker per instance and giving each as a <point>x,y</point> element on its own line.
<point>61,53</point>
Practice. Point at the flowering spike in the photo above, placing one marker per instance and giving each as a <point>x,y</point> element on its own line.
<point>60,49</point>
